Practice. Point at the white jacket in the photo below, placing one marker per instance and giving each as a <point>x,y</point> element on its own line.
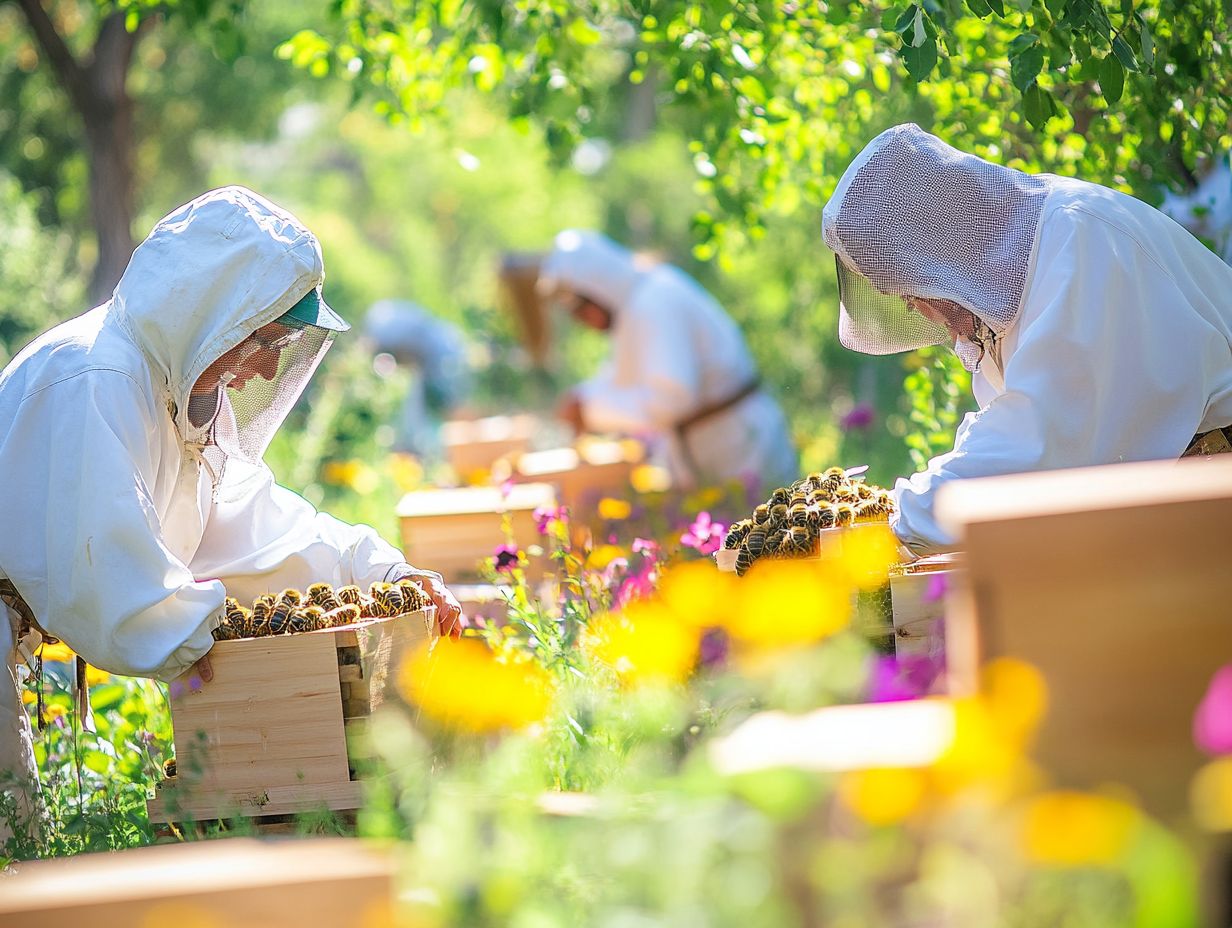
<point>674,351</point>
<point>1122,352</point>
<point>113,531</point>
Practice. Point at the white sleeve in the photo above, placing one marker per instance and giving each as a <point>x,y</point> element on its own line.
<point>653,379</point>
<point>261,537</point>
<point>1108,368</point>
<point>89,556</point>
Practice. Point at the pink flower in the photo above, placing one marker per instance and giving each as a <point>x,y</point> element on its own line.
<point>897,678</point>
<point>506,487</point>
<point>1212,724</point>
<point>506,558</point>
<point>645,546</point>
<point>544,516</point>
<point>859,418</point>
<point>704,535</point>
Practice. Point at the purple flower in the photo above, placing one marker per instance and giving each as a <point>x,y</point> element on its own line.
<point>935,589</point>
<point>897,678</point>
<point>714,647</point>
<point>544,516</point>
<point>859,418</point>
<point>506,558</point>
<point>704,535</point>
<point>1212,724</point>
<point>506,487</point>
<point>645,546</point>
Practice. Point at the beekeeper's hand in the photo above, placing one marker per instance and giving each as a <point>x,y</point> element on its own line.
<point>569,410</point>
<point>448,610</point>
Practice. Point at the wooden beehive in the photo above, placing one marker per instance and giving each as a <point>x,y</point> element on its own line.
<point>473,446</point>
<point>268,735</point>
<point>918,595</point>
<point>343,883</point>
<point>455,530</point>
<point>584,475</point>
<point>1116,583</point>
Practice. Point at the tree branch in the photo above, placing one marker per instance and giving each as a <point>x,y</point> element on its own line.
<point>68,69</point>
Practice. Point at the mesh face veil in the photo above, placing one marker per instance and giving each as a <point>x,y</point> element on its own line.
<point>258,382</point>
<point>913,217</point>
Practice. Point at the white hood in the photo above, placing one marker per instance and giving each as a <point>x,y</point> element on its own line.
<point>592,266</point>
<point>209,275</point>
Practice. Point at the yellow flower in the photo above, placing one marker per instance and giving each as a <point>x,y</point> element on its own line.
<point>644,642</point>
<point>54,711</point>
<point>699,594</point>
<point>603,555</point>
<point>29,697</point>
<point>56,652</point>
<point>355,474</point>
<point>1210,795</point>
<point>614,509</point>
<point>868,553</point>
<point>406,470</point>
<point>1075,829</point>
<point>477,477</point>
<point>1016,695</point>
<point>789,603</point>
<point>462,684</point>
<point>650,478</point>
<point>883,797</point>
<point>95,676</point>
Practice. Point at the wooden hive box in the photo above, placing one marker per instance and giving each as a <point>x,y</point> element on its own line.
<point>583,475</point>
<point>1116,582</point>
<point>269,734</point>
<point>342,883</point>
<point>473,446</point>
<point>918,597</point>
<point>453,530</point>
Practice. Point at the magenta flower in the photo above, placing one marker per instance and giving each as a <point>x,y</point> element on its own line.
<point>544,516</point>
<point>506,558</point>
<point>704,535</point>
<point>897,678</point>
<point>858,419</point>
<point>506,487</point>
<point>646,546</point>
<point>936,588</point>
<point>714,648</point>
<point>1212,724</point>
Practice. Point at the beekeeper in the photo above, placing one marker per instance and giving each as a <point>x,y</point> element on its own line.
<point>434,352</point>
<point>678,370</point>
<point>1098,330</point>
<point>131,443</point>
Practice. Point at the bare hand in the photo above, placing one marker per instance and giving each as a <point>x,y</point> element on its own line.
<point>448,609</point>
<point>569,410</point>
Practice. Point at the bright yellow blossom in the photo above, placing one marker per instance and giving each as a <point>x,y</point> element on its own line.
<point>883,797</point>
<point>645,642</point>
<point>699,594</point>
<point>56,652</point>
<point>95,676</point>
<point>650,478</point>
<point>406,470</point>
<point>603,555</point>
<point>614,509</point>
<point>789,603</point>
<point>1210,796</point>
<point>868,553</point>
<point>1074,829</point>
<point>462,684</point>
<point>355,474</point>
<point>29,697</point>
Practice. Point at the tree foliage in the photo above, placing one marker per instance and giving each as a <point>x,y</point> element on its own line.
<point>777,96</point>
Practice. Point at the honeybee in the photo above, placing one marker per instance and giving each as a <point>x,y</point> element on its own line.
<point>761,514</point>
<point>343,615</point>
<point>350,595</point>
<point>737,533</point>
<point>413,598</point>
<point>826,516</point>
<point>391,600</point>
<point>845,494</point>
<point>774,540</point>
<point>260,616</point>
<point>225,631</point>
<point>291,597</point>
<point>744,561</point>
<point>798,514</point>
<point>844,514</point>
<point>778,514</point>
<point>755,543</point>
<point>780,497</point>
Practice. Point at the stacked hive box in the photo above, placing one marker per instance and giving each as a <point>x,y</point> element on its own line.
<point>272,733</point>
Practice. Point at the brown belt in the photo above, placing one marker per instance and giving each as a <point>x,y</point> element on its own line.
<point>1216,441</point>
<point>705,412</point>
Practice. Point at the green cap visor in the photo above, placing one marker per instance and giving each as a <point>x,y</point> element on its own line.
<point>312,310</point>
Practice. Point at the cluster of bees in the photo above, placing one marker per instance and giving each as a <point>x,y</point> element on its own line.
<point>322,607</point>
<point>787,524</point>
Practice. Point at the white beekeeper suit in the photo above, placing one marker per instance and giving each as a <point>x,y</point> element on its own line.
<point>678,367</point>
<point>1102,330</point>
<point>133,504</point>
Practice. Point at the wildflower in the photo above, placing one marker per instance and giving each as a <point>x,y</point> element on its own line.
<point>906,677</point>
<point>649,478</point>
<point>354,474</point>
<point>506,558</point>
<point>463,685</point>
<point>859,418</point>
<point>1212,723</point>
<point>29,697</point>
<point>704,535</point>
<point>545,516</point>
<point>602,556</point>
<point>1075,829</point>
<point>614,510</point>
<point>645,642</point>
<point>645,546</point>
<point>936,588</point>
<point>56,652</point>
<point>714,648</point>
<point>868,553</point>
<point>789,603</point>
<point>1210,796</point>
<point>506,487</point>
<point>406,470</point>
<point>699,594</point>
<point>883,796</point>
<point>95,676</point>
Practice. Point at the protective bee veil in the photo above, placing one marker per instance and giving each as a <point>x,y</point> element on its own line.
<point>913,217</point>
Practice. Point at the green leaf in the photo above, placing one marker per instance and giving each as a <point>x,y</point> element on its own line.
<point>107,696</point>
<point>96,761</point>
<point>1124,53</point>
<point>906,19</point>
<point>1023,41</point>
<point>583,33</point>
<point>1026,65</point>
<point>980,8</point>
<point>1148,42</point>
<point>920,60</point>
<point>998,7</point>
<point>1111,78</point>
<point>1034,106</point>
<point>918,32</point>
<point>888,20</point>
